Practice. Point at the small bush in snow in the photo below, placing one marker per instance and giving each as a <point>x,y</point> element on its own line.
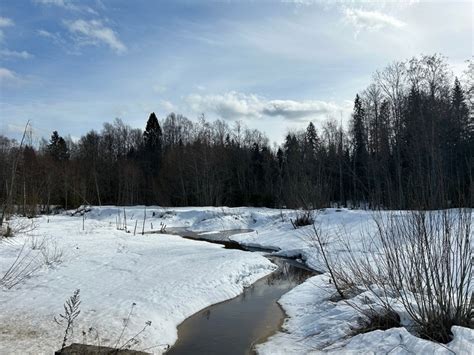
<point>52,254</point>
<point>305,218</point>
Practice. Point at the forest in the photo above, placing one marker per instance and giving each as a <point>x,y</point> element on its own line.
<point>409,144</point>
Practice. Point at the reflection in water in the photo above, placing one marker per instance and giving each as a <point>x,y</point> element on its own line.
<point>287,273</point>
<point>238,324</point>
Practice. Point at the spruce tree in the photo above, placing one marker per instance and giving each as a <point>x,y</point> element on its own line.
<point>151,156</point>
<point>460,113</point>
<point>359,152</point>
<point>153,135</point>
<point>311,139</point>
<point>57,147</point>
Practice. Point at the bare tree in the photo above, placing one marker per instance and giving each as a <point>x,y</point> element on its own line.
<point>9,199</point>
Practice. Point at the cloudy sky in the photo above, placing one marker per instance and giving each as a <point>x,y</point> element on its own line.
<point>276,65</point>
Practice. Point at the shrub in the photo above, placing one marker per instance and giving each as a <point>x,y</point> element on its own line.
<point>304,218</point>
<point>23,266</point>
<point>424,260</point>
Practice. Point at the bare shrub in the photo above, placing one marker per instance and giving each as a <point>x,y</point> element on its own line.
<point>422,259</point>
<point>427,263</point>
<point>304,218</point>
<point>34,253</point>
<point>22,267</point>
<point>14,227</point>
<point>320,240</point>
<point>37,243</point>
<point>52,254</point>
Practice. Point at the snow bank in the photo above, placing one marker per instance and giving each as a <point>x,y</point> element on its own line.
<point>315,324</point>
<point>169,279</point>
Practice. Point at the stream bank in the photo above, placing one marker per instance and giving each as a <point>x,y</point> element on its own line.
<point>237,325</point>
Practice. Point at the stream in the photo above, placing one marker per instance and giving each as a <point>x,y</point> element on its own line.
<point>235,326</point>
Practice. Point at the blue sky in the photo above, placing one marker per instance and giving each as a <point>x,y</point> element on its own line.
<point>72,65</point>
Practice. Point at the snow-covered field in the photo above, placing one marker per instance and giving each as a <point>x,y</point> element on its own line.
<point>170,278</point>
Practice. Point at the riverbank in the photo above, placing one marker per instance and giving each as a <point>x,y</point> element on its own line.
<point>162,279</point>
<point>181,277</point>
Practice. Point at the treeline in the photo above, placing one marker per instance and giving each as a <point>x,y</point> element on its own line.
<point>410,144</point>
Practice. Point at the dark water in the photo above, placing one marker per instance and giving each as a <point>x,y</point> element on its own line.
<point>221,237</point>
<point>237,325</point>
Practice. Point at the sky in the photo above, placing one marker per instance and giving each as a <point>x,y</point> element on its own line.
<point>274,65</point>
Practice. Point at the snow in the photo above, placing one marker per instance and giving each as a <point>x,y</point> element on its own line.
<point>317,324</point>
<point>170,278</point>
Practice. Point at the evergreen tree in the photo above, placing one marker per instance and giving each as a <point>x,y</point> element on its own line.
<point>359,152</point>
<point>462,128</point>
<point>151,156</point>
<point>459,140</point>
<point>57,147</point>
<point>311,140</point>
<point>153,135</point>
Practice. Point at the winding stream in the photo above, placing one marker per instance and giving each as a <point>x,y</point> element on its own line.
<point>237,325</point>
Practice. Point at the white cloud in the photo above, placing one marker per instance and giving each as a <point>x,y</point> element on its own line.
<point>55,37</point>
<point>229,105</point>
<point>6,53</point>
<point>371,20</point>
<point>167,105</point>
<point>60,3</point>
<point>234,105</point>
<point>9,77</point>
<point>66,4</point>
<point>4,22</point>
<point>94,32</point>
<point>44,33</point>
<point>299,109</point>
<point>6,74</point>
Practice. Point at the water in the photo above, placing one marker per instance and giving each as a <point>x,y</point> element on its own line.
<point>220,237</point>
<point>237,325</point>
